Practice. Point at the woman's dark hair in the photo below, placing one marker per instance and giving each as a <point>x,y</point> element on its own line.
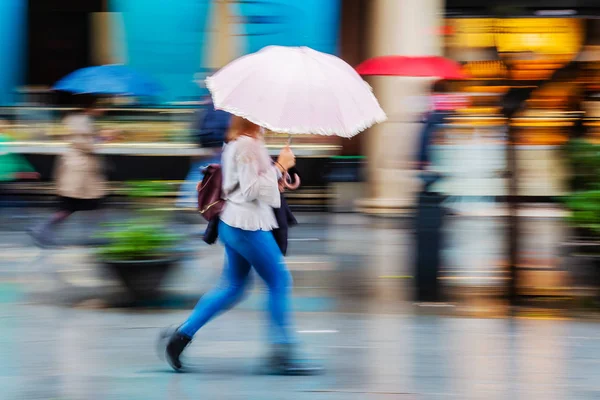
<point>78,101</point>
<point>86,101</point>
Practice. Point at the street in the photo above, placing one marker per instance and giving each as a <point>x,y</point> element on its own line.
<point>59,353</point>
<point>441,160</point>
<point>353,313</point>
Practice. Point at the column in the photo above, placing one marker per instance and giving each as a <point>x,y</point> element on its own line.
<point>406,27</point>
<point>108,38</point>
<point>225,43</point>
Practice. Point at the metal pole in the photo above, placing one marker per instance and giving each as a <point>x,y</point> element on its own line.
<point>513,102</point>
<point>513,217</point>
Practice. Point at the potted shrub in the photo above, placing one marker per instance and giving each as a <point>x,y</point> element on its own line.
<point>584,161</point>
<point>140,253</point>
<point>142,250</point>
<point>584,201</point>
<point>584,207</point>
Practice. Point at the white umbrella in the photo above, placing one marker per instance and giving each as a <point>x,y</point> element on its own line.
<point>296,90</point>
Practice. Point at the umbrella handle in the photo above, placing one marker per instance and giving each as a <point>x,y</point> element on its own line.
<point>286,183</point>
<point>289,184</point>
<point>286,180</point>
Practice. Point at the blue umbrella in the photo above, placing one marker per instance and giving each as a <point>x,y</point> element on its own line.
<point>116,80</point>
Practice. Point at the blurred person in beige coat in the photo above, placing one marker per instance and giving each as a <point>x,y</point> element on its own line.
<point>79,174</point>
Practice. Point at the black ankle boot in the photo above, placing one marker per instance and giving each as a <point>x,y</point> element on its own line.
<point>176,343</point>
<point>283,361</point>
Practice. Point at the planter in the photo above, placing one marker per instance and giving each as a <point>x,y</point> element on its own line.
<point>142,279</point>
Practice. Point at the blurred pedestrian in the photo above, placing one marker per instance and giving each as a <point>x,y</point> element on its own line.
<point>208,129</point>
<point>250,183</point>
<point>79,173</point>
<point>441,108</point>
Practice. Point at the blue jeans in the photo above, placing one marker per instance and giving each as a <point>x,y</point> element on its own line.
<point>243,250</point>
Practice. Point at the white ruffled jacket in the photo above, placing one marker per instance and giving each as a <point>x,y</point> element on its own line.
<point>250,185</point>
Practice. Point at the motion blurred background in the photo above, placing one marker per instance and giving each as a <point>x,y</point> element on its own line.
<point>510,229</point>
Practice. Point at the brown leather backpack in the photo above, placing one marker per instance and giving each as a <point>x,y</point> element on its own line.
<point>210,192</point>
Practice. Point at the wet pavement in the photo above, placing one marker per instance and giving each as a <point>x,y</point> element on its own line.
<point>62,353</point>
<point>353,312</point>
<point>326,256</point>
<point>331,256</point>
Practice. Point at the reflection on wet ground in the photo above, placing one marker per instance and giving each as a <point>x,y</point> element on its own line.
<point>336,256</point>
<point>51,352</point>
<point>354,312</point>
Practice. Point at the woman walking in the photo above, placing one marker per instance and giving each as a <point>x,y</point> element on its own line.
<point>208,130</point>
<point>250,185</point>
<point>79,175</point>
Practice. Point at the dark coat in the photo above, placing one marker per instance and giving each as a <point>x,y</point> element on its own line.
<point>285,219</point>
<point>432,122</point>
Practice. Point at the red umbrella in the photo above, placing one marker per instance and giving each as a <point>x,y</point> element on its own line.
<point>430,66</point>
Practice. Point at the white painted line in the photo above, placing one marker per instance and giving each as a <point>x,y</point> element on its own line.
<point>304,240</point>
<point>582,338</point>
<point>434,305</point>
<point>320,331</point>
<point>308,262</point>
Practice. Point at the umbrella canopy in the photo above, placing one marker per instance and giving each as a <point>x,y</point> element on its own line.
<point>296,90</point>
<point>425,66</point>
<point>116,80</point>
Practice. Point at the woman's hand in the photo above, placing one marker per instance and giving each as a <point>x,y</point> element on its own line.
<point>286,158</point>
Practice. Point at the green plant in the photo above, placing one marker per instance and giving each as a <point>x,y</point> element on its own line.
<point>584,201</point>
<point>144,189</point>
<point>138,240</point>
<point>584,160</point>
<point>145,237</point>
<point>585,210</point>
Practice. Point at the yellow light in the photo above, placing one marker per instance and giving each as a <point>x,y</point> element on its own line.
<point>548,36</point>
<point>540,35</point>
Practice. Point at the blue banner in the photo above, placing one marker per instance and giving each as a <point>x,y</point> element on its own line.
<point>171,40</point>
<point>13,25</point>
<point>164,38</point>
<point>312,23</point>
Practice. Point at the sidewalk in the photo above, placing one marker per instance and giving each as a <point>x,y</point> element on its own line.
<point>353,313</point>
<point>338,261</point>
<point>68,275</point>
<point>78,354</point>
